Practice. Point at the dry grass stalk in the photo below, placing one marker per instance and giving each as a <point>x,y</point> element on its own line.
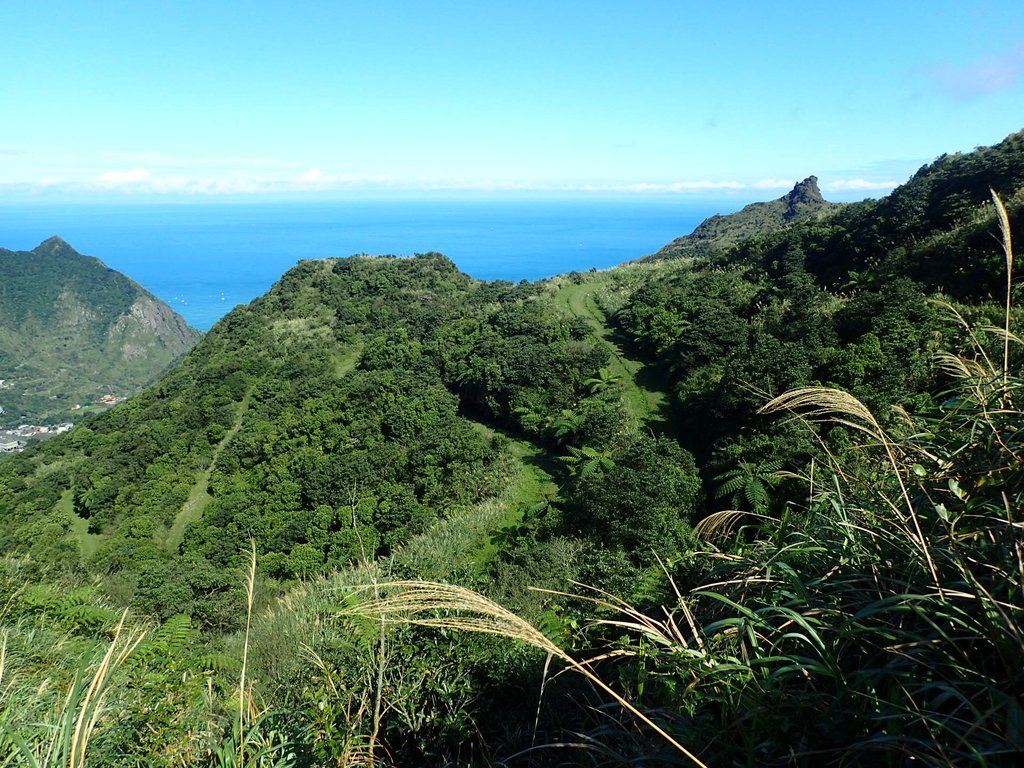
<point>957,367</point>
<point>681,603</point>
<point>822,404</point>
<point>975,341</point>
<point>250,592</point>
<point>3,666</point>
<point>420,602</point>
<point>446,606</point>
<point>665,633</point>
<point>720,524</point>
<point>1002,333</point>
<point>92,705</point>
<point>1004,229</point>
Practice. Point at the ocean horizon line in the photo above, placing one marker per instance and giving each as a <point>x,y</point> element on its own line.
<point>203,259</point>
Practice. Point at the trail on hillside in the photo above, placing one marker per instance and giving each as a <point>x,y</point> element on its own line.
<point>199,495</point>
<point>645,404</point>
<point>461,547</point>
<point>88,543</point>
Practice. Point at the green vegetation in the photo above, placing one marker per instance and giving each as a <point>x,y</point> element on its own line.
<point>74,330</point>
<point>199,495</point>
<point>801,203</point>
<point>760,506</point>
<point>579,297</point>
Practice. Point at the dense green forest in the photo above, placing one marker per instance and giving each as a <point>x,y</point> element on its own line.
<point>760,505</point>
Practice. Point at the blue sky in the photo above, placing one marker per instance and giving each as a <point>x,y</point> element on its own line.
<point>170,100</point>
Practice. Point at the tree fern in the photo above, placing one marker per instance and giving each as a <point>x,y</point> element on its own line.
<point>749,483</point>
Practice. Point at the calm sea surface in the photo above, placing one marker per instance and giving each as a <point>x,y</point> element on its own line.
<point>203,259</point>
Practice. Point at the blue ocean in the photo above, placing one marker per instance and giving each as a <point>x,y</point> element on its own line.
<point>203,259</point>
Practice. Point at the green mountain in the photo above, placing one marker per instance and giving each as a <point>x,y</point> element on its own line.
<point>834,578</point>
<point>73,330</point>
<point>803,202</point>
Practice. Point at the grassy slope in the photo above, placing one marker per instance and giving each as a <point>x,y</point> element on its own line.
<point>645,404</point>
<point>468,539</point>
<point>461,547</point>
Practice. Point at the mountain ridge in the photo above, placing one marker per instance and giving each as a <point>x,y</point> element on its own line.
<point>73,329</point>
<point>803,201</point>
<point>374,419</point>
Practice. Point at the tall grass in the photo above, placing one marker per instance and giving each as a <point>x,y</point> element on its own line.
<point>895,612</point>
<point>62,737</point>
<point>880,623</point>
<point>68,702</point>
<point>445,606</point>
<point>253,739</point>
<point>244,693</point>
<point>1007,246</point>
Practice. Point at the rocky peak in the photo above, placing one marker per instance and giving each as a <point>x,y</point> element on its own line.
<point>804,194</point>
<point>54,246</point>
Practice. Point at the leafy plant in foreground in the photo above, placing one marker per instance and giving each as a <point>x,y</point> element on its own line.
<point>63,738</point>
<point>879,623</point>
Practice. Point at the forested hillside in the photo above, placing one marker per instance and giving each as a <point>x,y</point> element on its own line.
<point>73,330</point>
<point>801,203</point>
<point>318,519</point>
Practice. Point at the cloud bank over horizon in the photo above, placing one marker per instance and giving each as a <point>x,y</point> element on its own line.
<point>157,182</point>
<point>161,101</point>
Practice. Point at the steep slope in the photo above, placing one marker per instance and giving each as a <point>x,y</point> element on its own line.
<point>356,404</point>
<point>498,436</point>
<point>578,297</point>
<point>357,387</point>
<point>803,202</point>
<point>73,330</point>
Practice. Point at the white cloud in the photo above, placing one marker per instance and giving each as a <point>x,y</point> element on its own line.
<point>774,184</point>
<point>118,178</point>
<point>654,187</point>
<point>859,185</point>
<point>146,182</point>
<point>169,179</point>
<point>701,186</point>
<point>315,179</point>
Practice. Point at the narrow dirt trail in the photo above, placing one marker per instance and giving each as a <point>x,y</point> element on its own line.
<point>199,495</point>
<point>645,404</point>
